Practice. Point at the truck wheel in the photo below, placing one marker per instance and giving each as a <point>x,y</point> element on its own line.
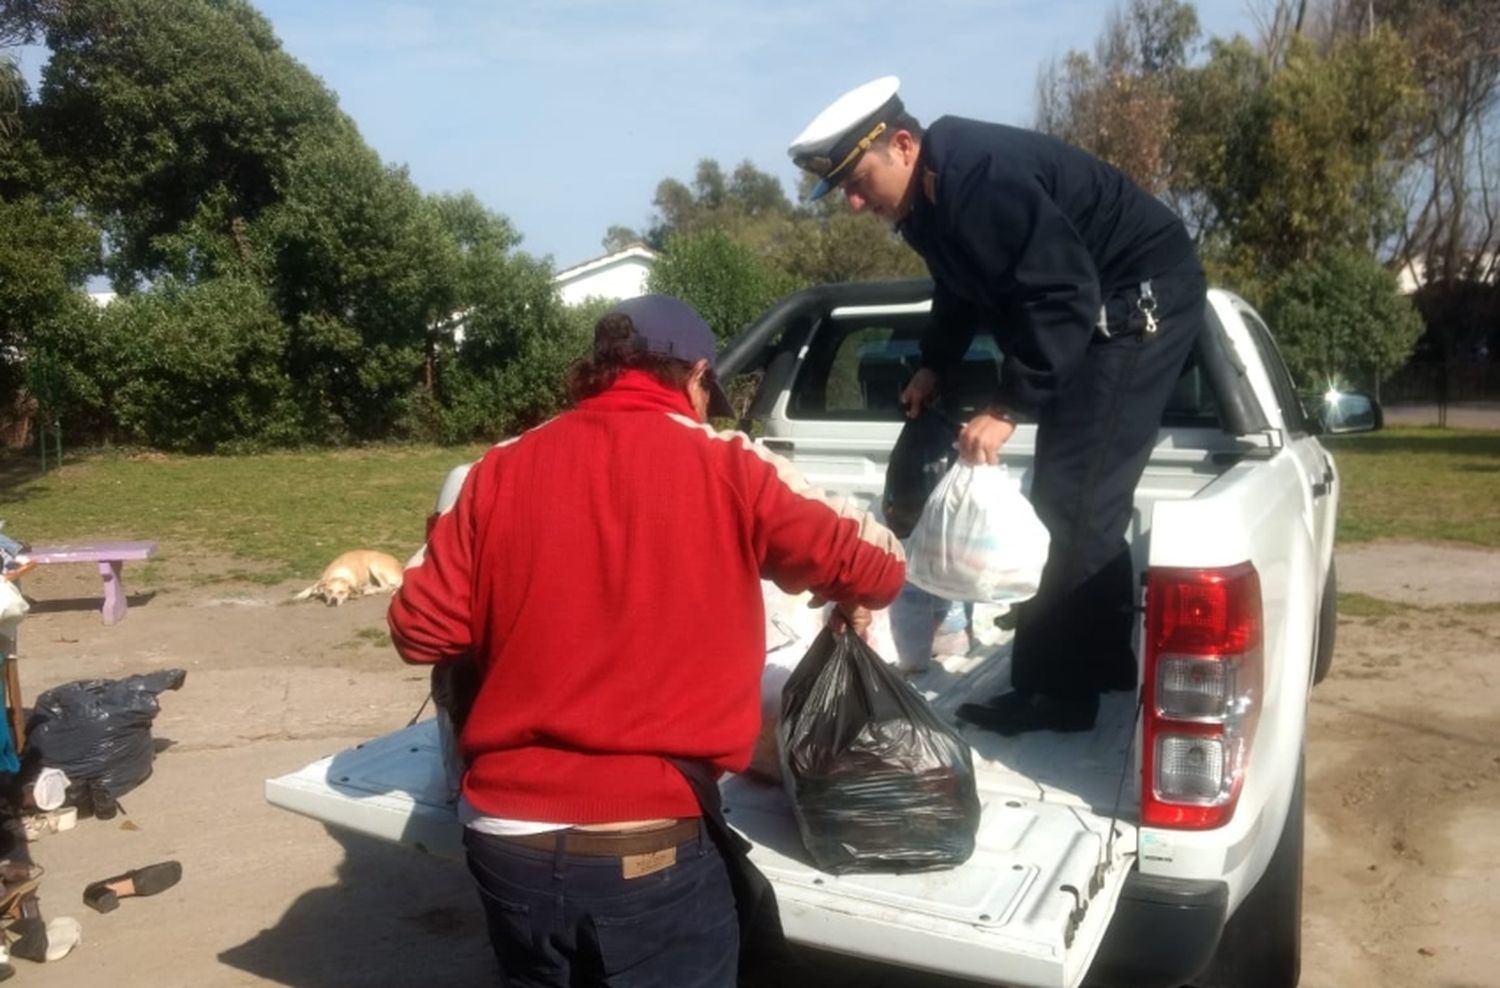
<point>1261,946</point>
<point>1328,626</point>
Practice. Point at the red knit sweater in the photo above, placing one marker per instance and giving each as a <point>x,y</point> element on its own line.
<point>605,569</point>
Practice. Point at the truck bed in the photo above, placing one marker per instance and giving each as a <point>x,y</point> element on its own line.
<point>1044,875</point>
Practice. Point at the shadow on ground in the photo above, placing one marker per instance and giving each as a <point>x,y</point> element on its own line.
<point>17,472</point>
<point>394,917</point>
<point>391,917</point>
<point>54,604</point>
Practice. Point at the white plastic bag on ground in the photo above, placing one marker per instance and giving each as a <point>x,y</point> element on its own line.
<point>978,538</point>
<point>13,607</point>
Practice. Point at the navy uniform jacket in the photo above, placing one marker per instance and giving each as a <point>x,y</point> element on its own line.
<point>1027,235</point>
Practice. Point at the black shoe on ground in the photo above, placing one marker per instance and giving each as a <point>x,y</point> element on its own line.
<point>1018,712</point>
<point>102,801</point>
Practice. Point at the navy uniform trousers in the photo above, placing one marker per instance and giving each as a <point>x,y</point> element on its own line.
<point>1093,441</point>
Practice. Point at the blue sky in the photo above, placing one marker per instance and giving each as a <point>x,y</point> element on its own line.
<point>564,114</point>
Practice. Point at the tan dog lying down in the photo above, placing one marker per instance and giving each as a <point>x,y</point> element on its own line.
<point>355,573</point>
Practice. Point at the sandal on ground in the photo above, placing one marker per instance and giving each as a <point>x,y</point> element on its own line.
<point>17,882</point>
<point>105,895</point>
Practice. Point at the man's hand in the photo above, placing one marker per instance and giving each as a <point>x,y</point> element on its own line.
<point>919,391</point>
<point>856,619</point>
<point>982,437</point>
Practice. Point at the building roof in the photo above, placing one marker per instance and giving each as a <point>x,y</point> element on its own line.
<point>633,251</point>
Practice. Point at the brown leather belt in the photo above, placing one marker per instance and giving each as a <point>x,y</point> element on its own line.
<point>613,843</point>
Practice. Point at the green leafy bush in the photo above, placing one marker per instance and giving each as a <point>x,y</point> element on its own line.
<point>1341,319</point>
<point>198,367</point>
<point>723,279</point>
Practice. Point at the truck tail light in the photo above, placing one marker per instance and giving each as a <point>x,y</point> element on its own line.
<point>1203,682</point>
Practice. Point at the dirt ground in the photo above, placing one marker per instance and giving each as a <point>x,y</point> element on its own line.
<point>1403,786</point>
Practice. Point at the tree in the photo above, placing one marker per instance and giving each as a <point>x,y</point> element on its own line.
<point>1290,161</point>
<point>1120,104</point>
<point>617,238</point>
<point>198,367</point>
<point>149,107</point>
<point>45,254</point>
<point>749,203</point>
<point>846,246</point>
<point>1340,318</point>
<point>1270,153</point>
<point>237,198</point>
<point>12,86</point>
<point>1452,197</point>
<point>518,338</point>
<point>359,268</point>
<point>721,278</point>
<point>793,246</point>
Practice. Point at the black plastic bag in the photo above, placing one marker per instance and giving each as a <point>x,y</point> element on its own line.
<point>922,455</point>
<point>99,730</point>
<point>878,782</point>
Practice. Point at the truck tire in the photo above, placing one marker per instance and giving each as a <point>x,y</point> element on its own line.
<point>1328,626</point>
<point>1261,946</point>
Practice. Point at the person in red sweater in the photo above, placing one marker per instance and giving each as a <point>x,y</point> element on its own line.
<point>603,571</point>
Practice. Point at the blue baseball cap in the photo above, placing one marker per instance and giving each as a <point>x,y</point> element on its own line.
<point>671,327</point>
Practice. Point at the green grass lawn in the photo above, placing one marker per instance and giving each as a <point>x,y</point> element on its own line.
<point>1420,483</point>
<point>288,514</point>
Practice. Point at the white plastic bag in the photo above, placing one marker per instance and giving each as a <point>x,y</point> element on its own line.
<point>13,607</point>
<point>978,538</point>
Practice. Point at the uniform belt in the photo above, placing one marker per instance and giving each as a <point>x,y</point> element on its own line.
<point>612,843</point>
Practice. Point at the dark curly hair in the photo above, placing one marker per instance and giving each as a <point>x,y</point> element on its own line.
<point>617,349</point>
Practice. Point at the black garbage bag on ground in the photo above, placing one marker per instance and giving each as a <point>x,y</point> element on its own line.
<point>877,780</point>
<point>922,455</point>
<point>99,730</point>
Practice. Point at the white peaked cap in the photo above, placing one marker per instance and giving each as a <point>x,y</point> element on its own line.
<point>830,145</point>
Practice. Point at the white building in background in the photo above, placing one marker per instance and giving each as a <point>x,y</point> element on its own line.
<point>1413,274</point>
<point>615,276</point>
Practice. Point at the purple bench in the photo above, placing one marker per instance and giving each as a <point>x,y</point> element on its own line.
<point>111,557</point>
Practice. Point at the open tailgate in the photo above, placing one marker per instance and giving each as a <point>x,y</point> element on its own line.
<point>393,788</point>
<point>1029,908</point>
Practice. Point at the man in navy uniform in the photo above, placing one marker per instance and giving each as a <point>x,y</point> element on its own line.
<point>1094,293</point>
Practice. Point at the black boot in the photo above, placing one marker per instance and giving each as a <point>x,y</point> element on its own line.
<point>1018,712</point>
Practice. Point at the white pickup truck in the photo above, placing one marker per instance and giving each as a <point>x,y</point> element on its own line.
<point>1162,848</point>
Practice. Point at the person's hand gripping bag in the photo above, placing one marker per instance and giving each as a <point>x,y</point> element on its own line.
<point>878,782</point>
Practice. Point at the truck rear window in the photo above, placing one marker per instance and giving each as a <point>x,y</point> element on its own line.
<point>856,367</point>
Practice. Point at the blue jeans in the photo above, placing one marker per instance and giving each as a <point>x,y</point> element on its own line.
<point>569,921</point>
